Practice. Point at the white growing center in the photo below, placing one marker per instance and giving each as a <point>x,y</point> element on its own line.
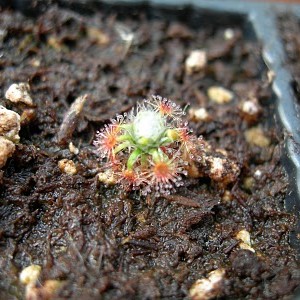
<point>148,124</point>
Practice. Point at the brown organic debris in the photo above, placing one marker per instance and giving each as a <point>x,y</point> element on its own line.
<point>27,116</point>
<point>71,120</point>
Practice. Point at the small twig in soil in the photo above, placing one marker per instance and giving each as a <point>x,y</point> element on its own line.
<point>143,244</point>
<point>228,249</point>
<point>181,200</point>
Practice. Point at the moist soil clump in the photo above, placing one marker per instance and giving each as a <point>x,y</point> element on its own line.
<point>98,241</point>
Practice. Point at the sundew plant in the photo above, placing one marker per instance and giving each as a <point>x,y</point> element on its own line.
<point>149,148</point>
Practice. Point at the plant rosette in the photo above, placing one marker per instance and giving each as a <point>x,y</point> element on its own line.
<point>149,148</point>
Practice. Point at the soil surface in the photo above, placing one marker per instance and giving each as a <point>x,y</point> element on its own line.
<point>100,242</point>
